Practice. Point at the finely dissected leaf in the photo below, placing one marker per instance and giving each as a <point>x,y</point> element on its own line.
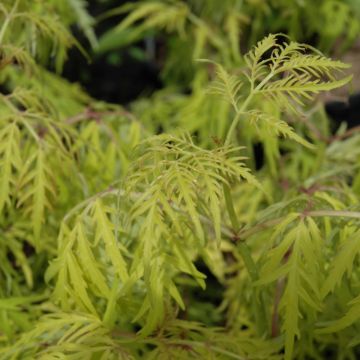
<point>84,19</point>
<point>99,148</point>
<point>227,85</point>
<point>254,60</point>
<point>268,125</point>
<point>232,24</point>
<point>183,178</point>
<point>144,221</point>
<point>14,311</point>
<point>165,213</point>
<point>76,279</point>
<point>11,245</point>
<point>79,267</point>
<point>10,161</point>
<point>11,53</point>
<point>46,28</point>
<point>297,257</point>
<point>36,188</point>
<point>318,65</point>
<point>105,233</point>
<point>157,14</point>
<point>155,296</point>
<point>302,74</point>
<point>59,268</point>
<point>342,263</point>
<point>290,303</point>
<point>174,292</point>
<point>88,261</point>
<point>351,317</point>
<point>188,194</point>
<point>287,76</point>
<point>67,335</point>
<point>299,87</point>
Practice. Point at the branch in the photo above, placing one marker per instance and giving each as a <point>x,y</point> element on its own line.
<point>345,135</point>
<point>245,233</point>
<point>89,114</point>
<point>333,213</point>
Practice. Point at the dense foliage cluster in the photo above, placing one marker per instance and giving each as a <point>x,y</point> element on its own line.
<point>114,221</point>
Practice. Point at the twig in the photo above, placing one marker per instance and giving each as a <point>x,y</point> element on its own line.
<point>89,114</point>
<point>245,233</point>
<point>345,135</point>
<point>275,316</point>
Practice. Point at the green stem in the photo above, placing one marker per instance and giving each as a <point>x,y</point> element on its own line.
<point>244,106</point>
<point>248,261</point>
<point>259,302</point>
<point>334,213</point>
<point>176,342</point>
<point>245,233</point>
<point>264,81</point>
<point>88,201</point>
<point>237,118</point>
<point>243,248</point>
<point>206,345</point>
<point>230,208</point>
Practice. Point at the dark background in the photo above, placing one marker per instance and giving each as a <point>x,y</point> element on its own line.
<point>118,76</point>
<point>121,76</point>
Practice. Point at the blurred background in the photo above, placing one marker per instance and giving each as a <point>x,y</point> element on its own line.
<point>143,55</point>
<point>158,47</point>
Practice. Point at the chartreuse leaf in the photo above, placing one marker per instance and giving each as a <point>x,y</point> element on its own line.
<point>253,58</point>
<point>100,148</point>
<point>298,88</point>
<point>287,74</point>
<point>174,292</point>
<point>156,14</point>
<point>11,245</point>
<point>67,335</point>
<point>36,189</point>
<point>134,257</point>
<point>233,26</point>
<point>11,53</point>
<point>184,263</point>
<point>87,259</point>
<point>188,195</point>
<point>109,317</point>
<point>164,212</point>
<point>84,20</point>
<point>351,317</point>
<point>58,267</point>
<point>343,262</point>
<point>268,125</point>
<point>155,280</point>
<point>77,281</point>
<point>105,232</point>
<point>77,268</point>
<point>10,161</point>
<point>297,259</point>
<point>227,85</point>
<point>304,72</point>
<point>14,313</point>
<point>184,178</point>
